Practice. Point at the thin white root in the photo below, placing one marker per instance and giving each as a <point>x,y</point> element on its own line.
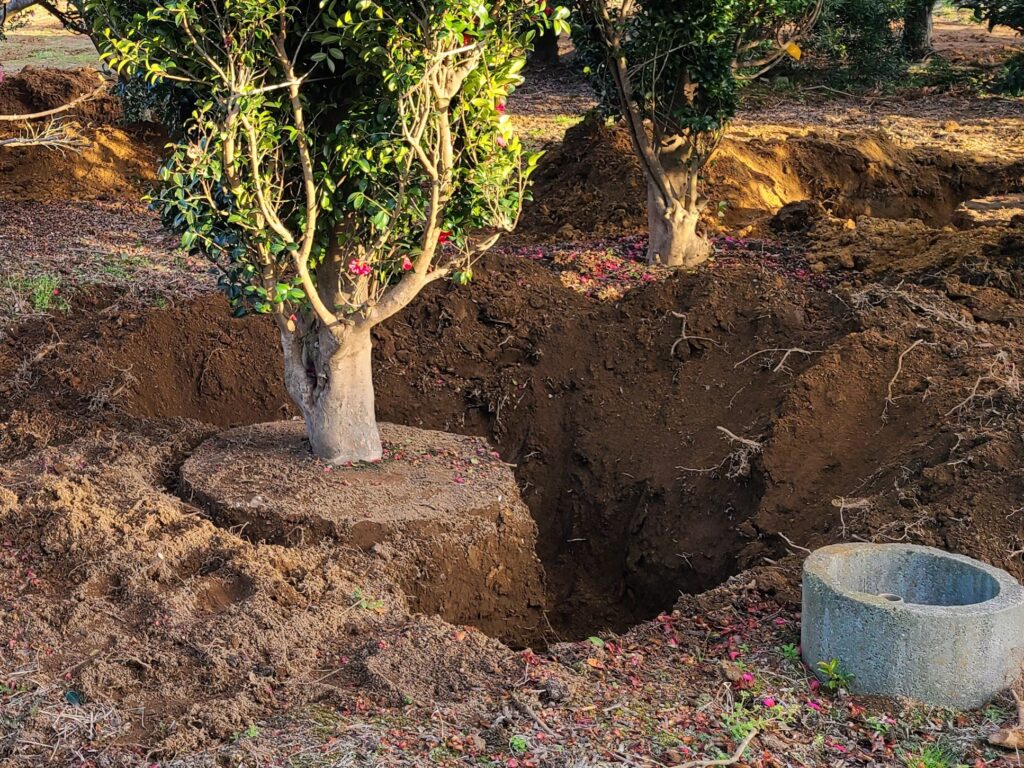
<point>782,363</point>
<point>1002,376</point>
<point>685,336</point>
<point>789,541</point>
<point>889,399</point>
<point>53,135</point>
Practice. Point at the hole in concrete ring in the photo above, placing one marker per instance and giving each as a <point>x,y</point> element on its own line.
<point>891,597</point>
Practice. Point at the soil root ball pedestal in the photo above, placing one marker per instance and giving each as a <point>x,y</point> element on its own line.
<point>915,622</point>
<point>441,511</point>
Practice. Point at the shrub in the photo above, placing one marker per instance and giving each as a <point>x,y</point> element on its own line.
<point>342,155</point>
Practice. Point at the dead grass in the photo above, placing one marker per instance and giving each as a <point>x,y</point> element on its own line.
<point>43,42</point>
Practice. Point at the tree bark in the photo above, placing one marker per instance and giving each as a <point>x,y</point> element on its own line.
<point>331,380</point>
<point>917,29</point>
<point>674,240</point>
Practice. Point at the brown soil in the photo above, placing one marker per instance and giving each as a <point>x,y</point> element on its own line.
<point>441,509</point>
<point>39,90</point>
<point>116,165</point>
<point>699,425</point>
<point>592,183</point>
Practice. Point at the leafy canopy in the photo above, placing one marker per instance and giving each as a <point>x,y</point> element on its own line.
<point>685,62</point>
<point>339,149</point>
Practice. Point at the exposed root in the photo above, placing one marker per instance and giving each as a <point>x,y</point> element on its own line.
<point>685,336</point>
<point>915,300</point>
<point>60,136</point>
<point>732,760</point>
<point>1002,377</point>
<point>782,363</point>
<point>738,462</point>
<point>889,399</point>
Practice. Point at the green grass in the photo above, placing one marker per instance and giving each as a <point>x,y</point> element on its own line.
<point>41,292</point>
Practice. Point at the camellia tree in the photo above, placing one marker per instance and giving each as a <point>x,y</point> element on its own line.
<point>673,71</point>
<point>342,155</point>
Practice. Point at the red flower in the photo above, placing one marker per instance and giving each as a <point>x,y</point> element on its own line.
<point>501,107</point>
<point>406,264</point>
<point>444,237</point>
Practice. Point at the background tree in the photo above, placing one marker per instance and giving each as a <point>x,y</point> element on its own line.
<point>674,71</point>
<point>68,12</point>
<point>917,28</point>
<point>341,157</point>
<point>1006,13</point>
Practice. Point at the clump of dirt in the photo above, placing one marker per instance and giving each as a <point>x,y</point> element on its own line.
<point>39,90</point>
<point>593,184</point>
<point>983,257</point>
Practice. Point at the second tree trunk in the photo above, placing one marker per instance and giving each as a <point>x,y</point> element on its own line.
<point>674,239</point>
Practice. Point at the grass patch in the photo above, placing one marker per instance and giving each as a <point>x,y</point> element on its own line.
<point>40,293</point>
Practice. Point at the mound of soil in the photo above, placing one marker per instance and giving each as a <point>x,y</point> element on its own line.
<point>441,508</point>
<point>136,598</point>
<point>593,185</point>
<point>39,90</point>
<point>115,165</point>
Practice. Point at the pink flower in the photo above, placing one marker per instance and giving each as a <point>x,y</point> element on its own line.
<point>812,704</point>
<point>733,655</point>
<point>747,677</point>
<point>406,264</point>
<point>358,267</point>
<point>501,141</point>
<point>814,685</point>
<point>769,702</point>
<point>501,107</point>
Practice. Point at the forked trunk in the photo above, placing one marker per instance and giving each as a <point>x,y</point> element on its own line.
<point>674,240</point>
<point>331,381</point>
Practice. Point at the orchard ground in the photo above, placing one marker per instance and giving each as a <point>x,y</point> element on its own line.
<point>845,371</point>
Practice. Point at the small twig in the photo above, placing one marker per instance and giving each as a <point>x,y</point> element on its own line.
<point>525,709</point>
<point>735,758</point>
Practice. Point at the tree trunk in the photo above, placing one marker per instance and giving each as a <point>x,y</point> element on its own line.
<point>674,240</point>
<point>917,29</point>
<point>331,381</point>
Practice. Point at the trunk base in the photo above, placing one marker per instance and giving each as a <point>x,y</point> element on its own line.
<point>338,405</point>
<point>675,241</point>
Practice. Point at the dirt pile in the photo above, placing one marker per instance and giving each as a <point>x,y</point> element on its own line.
<point>113,166</point>
<point>39,90</point>
<point>145,602</point>
<point>116,163</point>
<point>592,184</point>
